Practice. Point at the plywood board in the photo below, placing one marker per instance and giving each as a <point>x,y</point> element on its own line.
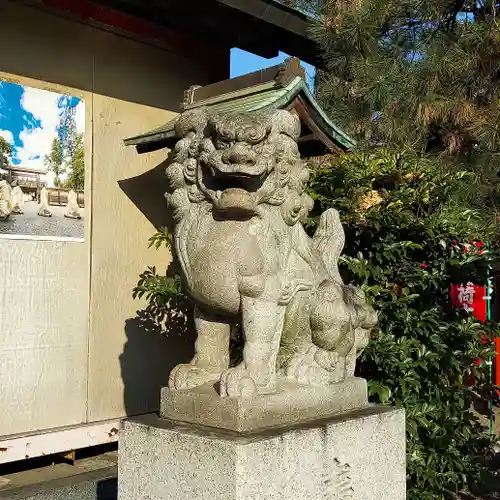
<point>127,365</point>
<point>45,47</point>
<point>43,341</point>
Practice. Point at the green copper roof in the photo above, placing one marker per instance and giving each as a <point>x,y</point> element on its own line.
<point>260,97</point>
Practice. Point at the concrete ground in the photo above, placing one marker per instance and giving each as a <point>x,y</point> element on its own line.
<point>90,478</point>
<point>31,224</point>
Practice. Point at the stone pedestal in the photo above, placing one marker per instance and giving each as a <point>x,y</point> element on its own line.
<point>290,403</point>
<point>358,455</point>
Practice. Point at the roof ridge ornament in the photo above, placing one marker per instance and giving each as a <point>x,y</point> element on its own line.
<point>290,69</point>
<point>189,96</point>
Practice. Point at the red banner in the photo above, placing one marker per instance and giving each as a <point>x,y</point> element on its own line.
<point>471,298</point>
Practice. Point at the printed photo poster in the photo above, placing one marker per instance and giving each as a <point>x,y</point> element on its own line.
<point>42,163</point>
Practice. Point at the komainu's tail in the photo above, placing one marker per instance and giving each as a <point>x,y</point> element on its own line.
<point>328,241</point>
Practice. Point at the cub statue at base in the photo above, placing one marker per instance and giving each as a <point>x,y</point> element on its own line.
<point>236,191</point>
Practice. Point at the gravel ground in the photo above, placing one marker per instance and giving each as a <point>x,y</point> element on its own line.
<point>31,224</point>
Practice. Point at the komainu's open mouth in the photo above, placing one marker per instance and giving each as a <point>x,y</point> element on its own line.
<point>246,181</point>
<point>234,191</point>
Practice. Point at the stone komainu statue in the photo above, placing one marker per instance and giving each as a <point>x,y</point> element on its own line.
<point>236,191</point>
<point>5,200</point>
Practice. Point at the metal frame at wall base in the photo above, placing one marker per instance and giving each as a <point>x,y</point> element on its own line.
<point>63,439</point>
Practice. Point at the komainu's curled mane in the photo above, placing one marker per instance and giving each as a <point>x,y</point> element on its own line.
<point>257,153</point>
<point>237,195</point>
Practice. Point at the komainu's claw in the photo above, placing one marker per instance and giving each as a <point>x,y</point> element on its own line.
<point>237,382</point>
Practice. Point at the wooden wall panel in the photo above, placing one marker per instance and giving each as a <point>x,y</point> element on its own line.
<point>45,47</point>
<point>43,334</point>
<point>126,367</point>
<point>44,285</point>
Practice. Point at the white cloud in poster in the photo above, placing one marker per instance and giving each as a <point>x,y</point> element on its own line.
<point>2,101</point>
<point>7,135</point>
<point>36,138</point>
<point>37,141</point>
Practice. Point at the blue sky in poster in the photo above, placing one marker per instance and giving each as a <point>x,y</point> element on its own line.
<point>29,121</point>
<point>244,62</point>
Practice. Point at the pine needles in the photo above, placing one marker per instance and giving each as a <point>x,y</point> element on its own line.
<point>414,75</point>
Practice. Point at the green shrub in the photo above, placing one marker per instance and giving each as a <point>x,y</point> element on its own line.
<point>405,221</point>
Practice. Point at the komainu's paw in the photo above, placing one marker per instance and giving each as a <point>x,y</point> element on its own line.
<point>237,382</point>
<point>186,376</point>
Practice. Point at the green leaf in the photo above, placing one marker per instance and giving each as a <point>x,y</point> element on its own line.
<point>381,391</point>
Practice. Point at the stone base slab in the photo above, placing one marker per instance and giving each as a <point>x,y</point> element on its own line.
<point>359,455</point>
<point>289,404</point>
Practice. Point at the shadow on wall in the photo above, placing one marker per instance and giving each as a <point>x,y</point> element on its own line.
<point>157,337</point>
<point>149,355</point>
<point>147,193</point>
<point>105,63</point>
